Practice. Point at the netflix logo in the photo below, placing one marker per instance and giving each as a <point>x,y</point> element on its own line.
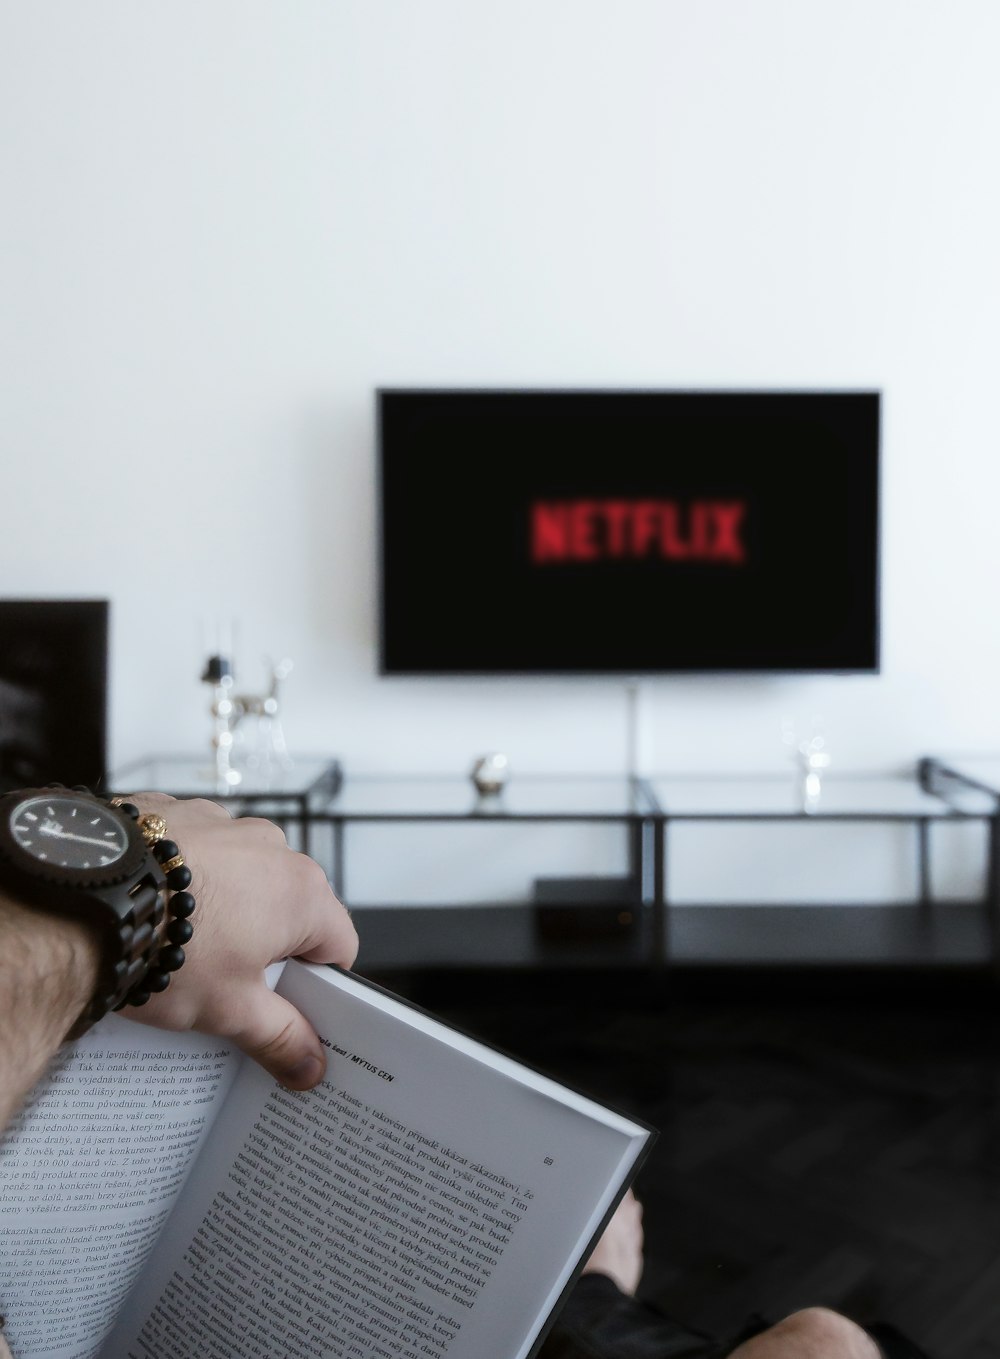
<point>669,530</point>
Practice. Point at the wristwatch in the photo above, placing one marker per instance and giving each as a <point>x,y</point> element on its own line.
<point>69,853</point>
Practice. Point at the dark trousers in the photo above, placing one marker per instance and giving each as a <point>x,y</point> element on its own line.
<point>598,1321</point>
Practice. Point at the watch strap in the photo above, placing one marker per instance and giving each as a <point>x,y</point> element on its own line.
<point>135,944</point>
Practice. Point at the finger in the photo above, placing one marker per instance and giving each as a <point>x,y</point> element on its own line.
<point>283,1041</point>
<point>150,801</point>
<point>325,933</point>
<point>264,832</point>
<point>200,808</point>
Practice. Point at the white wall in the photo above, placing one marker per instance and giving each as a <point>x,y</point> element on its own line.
<point>225,222</point>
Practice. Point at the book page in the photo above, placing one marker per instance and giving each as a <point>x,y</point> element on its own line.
<point>89,1171</point>
<point>429,1198</point>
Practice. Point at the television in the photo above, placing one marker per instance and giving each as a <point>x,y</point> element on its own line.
<point>53,692</point>
<point>628,532</point>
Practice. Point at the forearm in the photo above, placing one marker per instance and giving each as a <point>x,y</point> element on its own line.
<point>48,973</point>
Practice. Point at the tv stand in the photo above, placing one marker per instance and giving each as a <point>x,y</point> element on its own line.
<point>633,920</point>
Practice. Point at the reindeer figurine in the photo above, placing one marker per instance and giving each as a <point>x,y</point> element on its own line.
<point>228,711</point>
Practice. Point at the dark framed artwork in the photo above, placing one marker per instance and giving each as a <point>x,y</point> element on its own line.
<point>53,691</point>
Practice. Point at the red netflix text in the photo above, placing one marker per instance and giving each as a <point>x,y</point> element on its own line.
<point>599,530</point>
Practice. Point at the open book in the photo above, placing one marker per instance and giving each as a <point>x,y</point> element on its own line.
<point>163,1197</point>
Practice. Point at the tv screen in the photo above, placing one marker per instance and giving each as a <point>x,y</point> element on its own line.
<point>628,532</point>
<point>53,692</point>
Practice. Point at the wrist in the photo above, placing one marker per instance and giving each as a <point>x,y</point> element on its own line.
<point>54,959</point>
<point>49,968</point>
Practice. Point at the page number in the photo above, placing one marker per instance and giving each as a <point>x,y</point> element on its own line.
<point>549,1160</point>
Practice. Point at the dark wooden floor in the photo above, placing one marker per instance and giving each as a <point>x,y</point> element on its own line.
<point>825,1138</point>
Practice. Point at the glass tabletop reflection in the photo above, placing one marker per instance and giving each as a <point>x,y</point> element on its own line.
<point>785,796</point>
<point>545,797</point>
<point>195,776</point>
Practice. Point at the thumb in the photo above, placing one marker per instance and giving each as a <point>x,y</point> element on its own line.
<point>283,1041</point>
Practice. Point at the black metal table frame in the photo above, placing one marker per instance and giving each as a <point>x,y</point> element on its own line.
<point>648,825</point>
<point>939,778</point>
<point>640,826</point>
<point>922,823</point>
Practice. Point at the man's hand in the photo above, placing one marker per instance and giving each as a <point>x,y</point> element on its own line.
<point>258,902</point>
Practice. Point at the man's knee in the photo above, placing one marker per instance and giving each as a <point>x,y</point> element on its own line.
<point>819,1333</point>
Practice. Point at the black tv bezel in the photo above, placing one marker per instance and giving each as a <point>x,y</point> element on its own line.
<point>624,672</point>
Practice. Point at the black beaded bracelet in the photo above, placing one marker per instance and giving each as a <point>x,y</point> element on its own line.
<point>169,958</point>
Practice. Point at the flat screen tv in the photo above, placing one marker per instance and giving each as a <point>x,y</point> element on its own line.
<point>53,692</point>
<point>628,532</point>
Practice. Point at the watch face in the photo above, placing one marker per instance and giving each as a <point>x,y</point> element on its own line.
<point>68,832</point>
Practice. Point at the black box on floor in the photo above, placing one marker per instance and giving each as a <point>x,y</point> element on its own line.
<point>568,910</point>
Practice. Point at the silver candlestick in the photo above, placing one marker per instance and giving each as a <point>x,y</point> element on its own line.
<point>812,759</point>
